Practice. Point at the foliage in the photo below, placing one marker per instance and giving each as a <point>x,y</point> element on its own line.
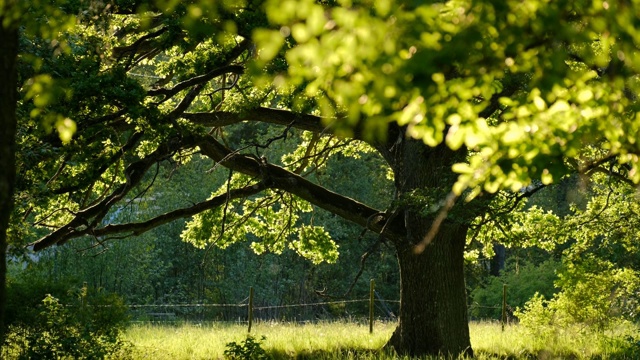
<point>426,76</point>
<point>25,294</point>
<point>595,297</point>
<point>553,321</point>
<point>498,96</point>
<point>248,349</point>
<point>523,282</point>
<point>91,330</point>
<point>597,293</point>
<point>597,282</point>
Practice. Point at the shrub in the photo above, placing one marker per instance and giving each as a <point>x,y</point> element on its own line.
<point>249,349</point>
<point>522,284</point>
<point>25,295</point>
<point>538,317</point>
<point>594,294</point>
<point>90,329</point>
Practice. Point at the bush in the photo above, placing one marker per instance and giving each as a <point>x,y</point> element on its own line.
<point>538,317</point>
<point>594,294</point>
<point>249,349</point>
<point>25,295</point>
<point>522,284</point>
<point>89,329</point>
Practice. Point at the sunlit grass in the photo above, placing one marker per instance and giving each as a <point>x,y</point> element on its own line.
<point>570,343</point>
<point>353,341</point>
<point>184,341</point>
<point>207,341</point>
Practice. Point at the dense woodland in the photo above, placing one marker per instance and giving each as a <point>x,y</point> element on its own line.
<point>175,152</point>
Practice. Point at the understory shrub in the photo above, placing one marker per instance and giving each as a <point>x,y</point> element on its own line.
<point>595,297</point>
<point>88,328</point>
<point>249,349</point>
<point>25,294</point>
<point>522,282</point>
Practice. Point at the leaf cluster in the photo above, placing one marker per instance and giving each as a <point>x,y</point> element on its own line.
<point>90,330</point>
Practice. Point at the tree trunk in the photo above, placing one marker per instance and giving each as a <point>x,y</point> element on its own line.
<point>498,260</point>
<point>433,310</point>
<point>8,99</point>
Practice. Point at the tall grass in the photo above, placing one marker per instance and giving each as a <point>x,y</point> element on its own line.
<point>353,341</point>
<point>208,341</point>
<point>517,342</point>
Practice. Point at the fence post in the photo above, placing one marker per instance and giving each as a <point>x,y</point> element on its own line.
<point>250,308</point>
<point>504,305</point>
<point>371,293</point>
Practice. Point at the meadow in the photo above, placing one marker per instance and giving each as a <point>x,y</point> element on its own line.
<point>353,341</point>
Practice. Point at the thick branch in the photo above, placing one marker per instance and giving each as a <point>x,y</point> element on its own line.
<point>283,179</point>
<point>91,216</point>
<point>262,114</point>
<point>229,69</point>
<point>142,227</point>
<point>224,67</point>
<point>86,123</point>
<point>143,44</point>
<point>97,173</point>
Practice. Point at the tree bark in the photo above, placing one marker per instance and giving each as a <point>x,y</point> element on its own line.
<point>498,260</point>
<point>8,98</point>
<point>433,313</point>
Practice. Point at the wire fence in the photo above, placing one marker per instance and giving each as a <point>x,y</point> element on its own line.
<point>352,310</point>
<point>356,310</point>
<point>371,309</point>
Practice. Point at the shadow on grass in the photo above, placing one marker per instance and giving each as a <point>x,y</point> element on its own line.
<point>368,354</point>
<point>350,353</point>
<point>527,355</point>
<point>342,353</point>
<point>620,354</point>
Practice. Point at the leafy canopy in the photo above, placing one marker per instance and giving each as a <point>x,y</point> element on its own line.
<point>532,90</point>
<point>521,85</point>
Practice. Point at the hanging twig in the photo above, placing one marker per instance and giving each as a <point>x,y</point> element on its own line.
<point>224,217</point>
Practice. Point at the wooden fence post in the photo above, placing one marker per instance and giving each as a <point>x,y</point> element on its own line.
<point>504,305</point>
<point>250,308</point>
<point>371,304</point>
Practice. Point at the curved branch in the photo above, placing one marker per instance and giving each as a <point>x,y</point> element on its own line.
<point>143,44</point>
<point>279,178</point>
<point>90,217</point>
<point>141,227</point>
<point>131,142</point>
<point>86,123</point>
<point>306,122</point>
<point>229,69</point>
<point>224,67</point>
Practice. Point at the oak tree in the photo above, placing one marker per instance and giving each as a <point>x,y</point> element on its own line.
<point>460,98</point>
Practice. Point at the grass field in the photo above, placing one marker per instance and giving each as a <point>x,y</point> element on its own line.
<point>353,341</point>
